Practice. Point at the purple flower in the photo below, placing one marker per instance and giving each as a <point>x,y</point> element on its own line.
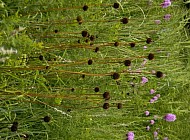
<point>155,133</point>
<point>152,122</point>
<point>151,101</point>
<point>144,80</point>
<point>165,138</point>
<point>170,117</point>
<point>155,98</point>
<point>158,95</point>
<point>148,128</point>
<point>157,21</point>
<point>147,113</point>
<point>130,138</point>
<point>167,17</point>
<point>130,133</point>
<point>152,91</point>
<point>166,4</point>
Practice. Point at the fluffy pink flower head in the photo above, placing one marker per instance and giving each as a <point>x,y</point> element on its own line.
<point>165,138</point>
<point>167,17</point>
<point>130,138</point>
<point>152,122</point>
<point>144,80</point>
<point>148,128</point>
<point>158,95</point>
<point>155,133</point>
<point>151,101</point>
<point>157,21</point>
<point>170,117</point>
<point>147,113</point>
<point>152,91</point>
<point>155,98</point>
<point>130,133</point>
<point>166,4</point>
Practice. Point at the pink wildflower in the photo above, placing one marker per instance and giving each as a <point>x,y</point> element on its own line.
<point>166,4</point>
<point>170,117</point>
<point>167,17</point>
<point>144,80</point>
<point>152,91</point>
<point>147,113</point>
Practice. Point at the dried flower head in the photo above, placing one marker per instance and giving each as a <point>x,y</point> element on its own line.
<point>149,40</point>
<point>116,5</point>
<point>132,44</point>
<point>47,119</point>
<point>106,95</point>
<point>170,117</point>
<point>106,106</point>
<point>119,105</point>
<point>85,8</point>
<point>90,62</point>
<point>85,33</point>
<point>56,31</point>
<point>96,89</point>
<point>167,17</point>
<point>124,20</point>
<point>127,62</point>
<point>96,49</point>
<point>159,74</point>
<point>115,75</point>
<point>150,56</point>
<point>116,44</point>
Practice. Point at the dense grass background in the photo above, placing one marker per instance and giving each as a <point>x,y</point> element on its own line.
<point>48,72</point>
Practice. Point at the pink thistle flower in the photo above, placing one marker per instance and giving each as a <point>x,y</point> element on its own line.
<point>152,122</point>
<point>130,133</point>
<point>170,117</point>
<point>151,101</point>
<point>152,91</point>
<point>144,80</point>
<point>155,133</point>
<point>158,95</point>
<point>157,21</point>
<point>166,4</point>
<point>165,138</point>
<point>130,138</point>
<point>148,128</point>
<point>147,113</point>
<point>167,17</point>
<point>155,98</point>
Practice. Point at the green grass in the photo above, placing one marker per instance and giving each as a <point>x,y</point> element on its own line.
<point>54,86</point>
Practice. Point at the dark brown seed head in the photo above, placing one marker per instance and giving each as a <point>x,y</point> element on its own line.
<point>79,19</point>
<point>116,44</point>
<point>124,20</point>
<point>83,76</point>
<point>159,74</point>
<point>78,41</point>
<point>85,8</point>
<point>119,105</point>
<point>84,33</point>
<point>127,62</point>
<point>132,44</point>
<point>150,56</point>
<point>14,128</point>
<point>41,57</point>
<point>96,89</point>
<point>92,38</point>
<point>47,119</point>
<point>72,89</point>
<point>106,95</point>
<point>149,40</point>
<point>116,5</point>
<point>106,106</point>
<point>90,62</point>
<point>96,49</point>
<point>87,40</point>
<point>56,31</point>
<point>115,75</point>
<point>68,110</point>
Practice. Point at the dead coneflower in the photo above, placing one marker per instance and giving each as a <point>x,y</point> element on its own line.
<point>96,89</point>
<point>149,40</point>
<point>132,44</point>
<point>116,5</point>
<point>124,20</point>
<point>90,62</point>
<point>84,33</point>
<point>116,44</point>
